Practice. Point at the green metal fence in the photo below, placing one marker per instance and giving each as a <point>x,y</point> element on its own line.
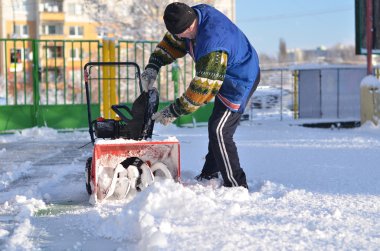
<point>42,81</point>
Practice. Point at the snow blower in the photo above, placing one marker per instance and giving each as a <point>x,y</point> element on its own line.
<point>125,158</point>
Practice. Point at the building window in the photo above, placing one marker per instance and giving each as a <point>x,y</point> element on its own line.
<point>21,30</point>
<point>76,31</point>
<point>54,51</point>
<point>19,6</point>
<point>16,55</point>
<point>52,29</point>
<point>102,32</point>
<point>51,6</point>
<point>74,9</point>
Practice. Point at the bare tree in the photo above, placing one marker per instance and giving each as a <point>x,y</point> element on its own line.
<point>131,19</point>
<point>266,59</point>
<point>283,51</point>
<point>344,54</point>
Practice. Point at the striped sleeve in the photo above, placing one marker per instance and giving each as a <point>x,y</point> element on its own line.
<point>210,73</point>
<point>167,51</point>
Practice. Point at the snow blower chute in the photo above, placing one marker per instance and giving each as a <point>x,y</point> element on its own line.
<point>125,159</point>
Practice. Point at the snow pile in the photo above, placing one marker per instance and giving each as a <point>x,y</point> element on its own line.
<point>22,210</point>
<point>39,132</point>
<point>310,189</point>
<point>169,216</point>
<point>7,175</point>
<point>370,81</point>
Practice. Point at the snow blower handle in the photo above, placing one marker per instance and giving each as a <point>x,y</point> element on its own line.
<point>117,110</point>
<point>87,78</point>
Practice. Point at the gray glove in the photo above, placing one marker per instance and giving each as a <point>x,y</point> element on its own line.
<point>165,116</point>
<point>148,77</point>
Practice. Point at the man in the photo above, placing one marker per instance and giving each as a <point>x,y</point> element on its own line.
<point>227,68</point>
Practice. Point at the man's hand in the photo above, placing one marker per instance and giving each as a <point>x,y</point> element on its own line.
<point>148,77</point>
<point>165,116</point>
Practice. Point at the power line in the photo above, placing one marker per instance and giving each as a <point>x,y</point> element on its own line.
<point>294,15</point>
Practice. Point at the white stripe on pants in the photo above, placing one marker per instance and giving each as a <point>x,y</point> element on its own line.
<point>222,147</point>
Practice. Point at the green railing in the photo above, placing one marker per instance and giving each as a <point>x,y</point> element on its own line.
<point>42,81</point>
<point>49,69</point>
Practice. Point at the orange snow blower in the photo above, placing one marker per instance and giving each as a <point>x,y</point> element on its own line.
<point>125,159</point>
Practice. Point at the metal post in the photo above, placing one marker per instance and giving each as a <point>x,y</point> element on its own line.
<point>320,94</point>
<point>369,28</point>
<point>36,83</point>
<point>106,104</point>
<point>24,69</point>
<point>6,72</point>
<point>167,82</point>
<point>100,100</point>
<point>282,87</point>
<point>14,65</point>
<point>135,52</point>
<point>64,71</point>
<point>72,74</point>
<point>46,73</point>
<point>112,75</point>
<point>118,46</point>
<point>184,74</point>
<point>338,94</point>
<point>55,72</point>
<point>295,94</point>
<point>81,72</point>
<point>127,59</point>
<point>175,78</point>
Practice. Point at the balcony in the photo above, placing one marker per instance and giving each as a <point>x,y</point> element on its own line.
<point>52,16</point>
<point>51,9</point>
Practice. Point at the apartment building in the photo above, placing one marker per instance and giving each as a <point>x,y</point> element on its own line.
<point>52,30</point>
<point>57,36</point>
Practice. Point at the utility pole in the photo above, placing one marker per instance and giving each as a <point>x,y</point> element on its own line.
<point>369,30</point>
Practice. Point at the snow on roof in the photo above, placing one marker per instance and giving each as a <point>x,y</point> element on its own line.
<point>324,66</point>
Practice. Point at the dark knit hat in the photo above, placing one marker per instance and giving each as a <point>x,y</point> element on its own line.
<point>178,17</point>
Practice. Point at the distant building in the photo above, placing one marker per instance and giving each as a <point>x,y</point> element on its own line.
<point>59,19</point>
<point>317,55</point>
<point>44,20</point>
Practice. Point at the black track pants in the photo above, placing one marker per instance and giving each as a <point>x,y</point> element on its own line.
<point>222,154</point>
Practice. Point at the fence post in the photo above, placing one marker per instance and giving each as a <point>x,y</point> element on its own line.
<point>105,103</point>
<point>36,81</point>
<point>112,72</point>
<point>295,95</point>
<point>175,78</point>
<point>281,99</point>
<point>109,83</point>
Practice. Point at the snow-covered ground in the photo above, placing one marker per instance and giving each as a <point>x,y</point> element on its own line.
<point>310,189</point>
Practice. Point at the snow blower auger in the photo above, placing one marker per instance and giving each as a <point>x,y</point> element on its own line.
<point>125,159</point>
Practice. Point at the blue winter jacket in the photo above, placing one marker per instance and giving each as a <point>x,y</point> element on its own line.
<point>217,33</point>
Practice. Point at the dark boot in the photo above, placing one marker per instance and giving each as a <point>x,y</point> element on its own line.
<point>204,176</point>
